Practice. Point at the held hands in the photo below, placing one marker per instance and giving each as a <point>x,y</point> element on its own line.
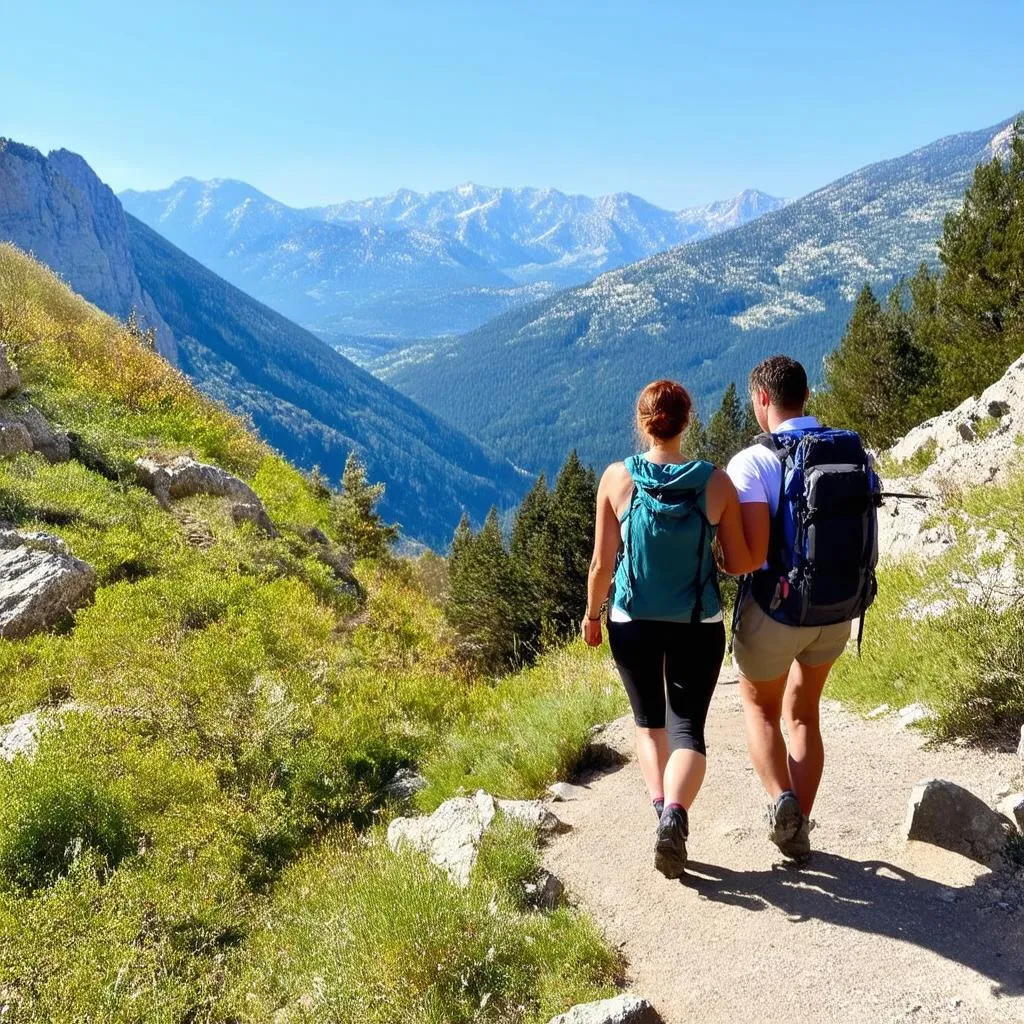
<point>592,632</point>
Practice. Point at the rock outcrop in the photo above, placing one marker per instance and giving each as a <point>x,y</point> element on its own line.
<point>451,836</point>
<point>41,584</point>
<point>975,443</point>
<point>620,1010</point>
<point>183,477</point>
<point>947,815</point>
<point>23,428</point>
<point>56,208</point>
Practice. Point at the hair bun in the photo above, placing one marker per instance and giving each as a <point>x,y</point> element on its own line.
<point>663,410</point>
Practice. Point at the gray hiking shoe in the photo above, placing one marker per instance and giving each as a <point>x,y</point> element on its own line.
<point>798,848</point>
<point>670,845</point>
<point>784,819</point>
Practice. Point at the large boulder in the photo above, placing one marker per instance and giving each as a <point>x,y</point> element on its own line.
<point>947,815</point>
<point>451,836</point>
<point>183,477</point>
<point>10,381</point>
<point>620,1010</point>
<point>40,583</point>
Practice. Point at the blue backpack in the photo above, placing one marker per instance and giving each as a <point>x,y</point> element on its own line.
<point>824,539</point>
<point>666,569</point>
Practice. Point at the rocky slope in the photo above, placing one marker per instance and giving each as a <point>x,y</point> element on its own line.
<point>411,264</point>
<point>565,371</point>
<point>57,209</point>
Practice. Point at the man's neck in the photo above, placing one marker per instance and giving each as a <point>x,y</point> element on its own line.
<point>776,417</point>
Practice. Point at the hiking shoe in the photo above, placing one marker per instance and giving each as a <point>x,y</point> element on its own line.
<point>798,849</point>
<point>659,808</point>
<point>784,819</point>
<point>670,845</point>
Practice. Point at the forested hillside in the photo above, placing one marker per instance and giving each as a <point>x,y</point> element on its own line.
<point>565,372</point>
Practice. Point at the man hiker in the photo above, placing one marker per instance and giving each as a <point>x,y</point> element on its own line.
<point>808,498</point>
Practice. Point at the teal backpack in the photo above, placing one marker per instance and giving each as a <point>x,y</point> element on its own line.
<point>666,569</point>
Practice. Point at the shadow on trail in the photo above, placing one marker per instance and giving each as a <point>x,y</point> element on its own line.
<point>879,898</point>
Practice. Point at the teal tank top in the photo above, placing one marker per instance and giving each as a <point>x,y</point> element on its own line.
<point>666,569</point>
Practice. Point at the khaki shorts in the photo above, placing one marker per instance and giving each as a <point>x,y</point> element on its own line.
<point>764,649</point>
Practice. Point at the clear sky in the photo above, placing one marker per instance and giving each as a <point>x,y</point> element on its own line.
<point>680,102</point>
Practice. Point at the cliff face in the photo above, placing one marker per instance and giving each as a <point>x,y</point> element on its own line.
<point>56,208</point>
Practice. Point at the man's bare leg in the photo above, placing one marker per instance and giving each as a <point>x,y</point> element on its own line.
<point>801,711</point>
<point>652,751</point>
<point>762,715</point>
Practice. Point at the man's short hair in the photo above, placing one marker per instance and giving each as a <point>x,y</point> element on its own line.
<point>784,379</point>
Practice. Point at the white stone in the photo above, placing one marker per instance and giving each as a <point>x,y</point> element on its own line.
<point>620,1010</point>
<point>450,836</point>
<point>880,711</point>
<point>565,791</point>
<point>533,813</point>
<point>182,477</point>
<point>947,815</point>
<point>39,587</point>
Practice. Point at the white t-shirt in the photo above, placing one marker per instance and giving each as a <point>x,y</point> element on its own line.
<point>757,472</point>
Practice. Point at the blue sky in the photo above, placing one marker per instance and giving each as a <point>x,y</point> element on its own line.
<point>679,102</point>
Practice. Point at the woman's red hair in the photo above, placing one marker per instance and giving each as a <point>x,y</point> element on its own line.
<point>663,410</point>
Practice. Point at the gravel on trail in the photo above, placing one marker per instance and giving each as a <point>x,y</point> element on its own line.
<point>873,929</point>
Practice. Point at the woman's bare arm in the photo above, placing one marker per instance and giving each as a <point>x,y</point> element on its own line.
<point>606,547</point>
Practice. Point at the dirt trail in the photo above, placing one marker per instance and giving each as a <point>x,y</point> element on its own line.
<point>874,929</point>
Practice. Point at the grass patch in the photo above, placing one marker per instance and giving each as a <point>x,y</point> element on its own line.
<point>526,730</point>
<point>360,935</point>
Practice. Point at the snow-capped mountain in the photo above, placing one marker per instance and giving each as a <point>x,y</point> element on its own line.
<point>419,264</point>
<point>537,234</point>
<point>563,373</point>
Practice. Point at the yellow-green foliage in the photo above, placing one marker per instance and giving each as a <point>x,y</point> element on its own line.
<point>222,707</point>
<point>966,658</point>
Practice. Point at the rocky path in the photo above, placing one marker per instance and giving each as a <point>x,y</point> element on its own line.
<point>874,929</point>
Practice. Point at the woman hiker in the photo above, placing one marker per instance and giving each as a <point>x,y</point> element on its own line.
<point>658,515</point>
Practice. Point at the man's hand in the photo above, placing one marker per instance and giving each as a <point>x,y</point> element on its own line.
<point>592,632</point>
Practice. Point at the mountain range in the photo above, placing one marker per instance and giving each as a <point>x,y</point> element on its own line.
<point>416,265</point>
<point>564,372</point>
<point>305,398</point>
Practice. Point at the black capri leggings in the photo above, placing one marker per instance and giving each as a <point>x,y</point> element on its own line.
<point>682,659</point>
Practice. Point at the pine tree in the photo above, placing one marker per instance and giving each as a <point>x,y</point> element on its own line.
<point>875,379</point>
<point>695,440</point>
<point>485,598</point>
<point>571,545</point>
<point>727,430</point>
<point>354,519</point>
<point>982,291</point>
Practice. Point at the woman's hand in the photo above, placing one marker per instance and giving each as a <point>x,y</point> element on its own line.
<point>592,632</point>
